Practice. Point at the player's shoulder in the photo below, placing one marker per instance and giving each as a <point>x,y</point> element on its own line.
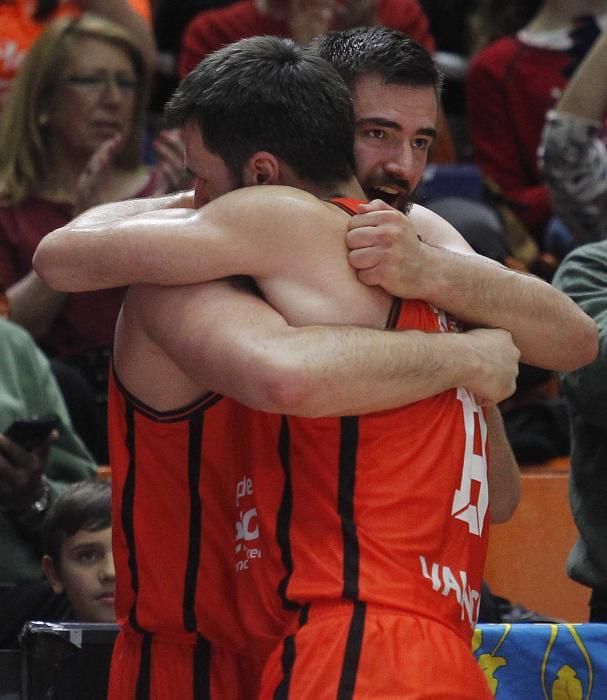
<point>274,202</point>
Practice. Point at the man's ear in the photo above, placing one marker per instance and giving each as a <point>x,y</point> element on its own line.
<point>50,572</point>
<point>262,168</point>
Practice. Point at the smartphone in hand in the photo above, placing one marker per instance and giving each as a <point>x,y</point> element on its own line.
<point>32,432</point>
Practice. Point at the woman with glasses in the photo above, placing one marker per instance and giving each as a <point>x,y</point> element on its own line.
<point>22,22</point>
<point>70,138</point>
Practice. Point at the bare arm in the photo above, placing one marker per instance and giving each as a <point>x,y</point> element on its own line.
<point>34,306</point>
<point>164,240</point>
<point>233,343</point>
<point>504,473</point>
<point>126,243</point>
<point>386,250</point>
<point>586,93</point>
<point>572,153</point>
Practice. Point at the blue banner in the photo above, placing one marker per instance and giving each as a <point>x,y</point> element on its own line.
<point>543,661</point>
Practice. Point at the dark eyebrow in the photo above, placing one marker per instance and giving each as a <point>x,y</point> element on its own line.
<point>378,121</point>
<point>75,549</point>
<point>389,124</point>
<point>427,131</point>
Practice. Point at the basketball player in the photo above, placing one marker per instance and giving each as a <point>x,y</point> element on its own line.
<point>173,343</point>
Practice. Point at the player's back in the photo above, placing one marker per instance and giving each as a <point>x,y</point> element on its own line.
<point>388,508</point>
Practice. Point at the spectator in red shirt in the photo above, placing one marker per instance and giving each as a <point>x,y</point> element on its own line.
<point>70,137</point>
<point>511,84</point>
<point>301,20</point>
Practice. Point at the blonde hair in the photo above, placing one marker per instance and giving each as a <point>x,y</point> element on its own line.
<point>23,138</point>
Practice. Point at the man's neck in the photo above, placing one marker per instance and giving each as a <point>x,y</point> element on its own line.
<point>347,188</point>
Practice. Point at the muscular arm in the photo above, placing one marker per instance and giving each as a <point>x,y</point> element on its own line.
<point>386,250</point>
<point>229,341</point>
<point>165,241</point>
<point>128,242</point>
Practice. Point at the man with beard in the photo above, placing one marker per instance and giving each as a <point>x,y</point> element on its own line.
<point>396,91</point>
<point>395,87</point>
<point>245,125</point>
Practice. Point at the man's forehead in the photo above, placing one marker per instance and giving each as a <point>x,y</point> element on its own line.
<point>393,101</point>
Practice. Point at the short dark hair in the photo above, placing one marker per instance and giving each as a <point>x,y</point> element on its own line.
<point>267,93</point>
<point>394,56</point>
<point>85,505</point>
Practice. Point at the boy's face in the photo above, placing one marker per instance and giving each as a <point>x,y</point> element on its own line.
<point>86,574</point>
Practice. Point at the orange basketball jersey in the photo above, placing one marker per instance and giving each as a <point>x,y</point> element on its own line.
<point>173,483</point>
<point>389,508</point>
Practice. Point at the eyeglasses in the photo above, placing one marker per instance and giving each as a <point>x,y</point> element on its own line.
<point>102,81</point>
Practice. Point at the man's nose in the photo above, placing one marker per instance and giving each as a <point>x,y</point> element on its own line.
<point>401,164</point>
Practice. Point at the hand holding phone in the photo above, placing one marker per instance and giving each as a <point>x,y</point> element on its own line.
<point>32,432</point>
<point>23,455</point>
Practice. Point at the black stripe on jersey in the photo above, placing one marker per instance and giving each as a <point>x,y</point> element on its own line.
<point>345,501</point>
<point>283,519</point>
<point>288,659</point>
<point>205,402</point>
<point>394,313</point>
<point>196,424</point>
<point>202,669</point>
<point>144,677</point>
<point>127,514</point>
<point>349,671</point>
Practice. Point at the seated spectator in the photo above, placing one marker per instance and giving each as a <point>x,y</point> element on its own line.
<point>573,157</point>
<point>22,21</point>
<point>583,276</point>
<point>78,559</point>
<point>511,84</point>
<point>30,482</point>
<point>70,137</point>
<point>574,161</point>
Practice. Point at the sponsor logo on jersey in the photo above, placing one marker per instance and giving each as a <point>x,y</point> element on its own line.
<point>247,529</point>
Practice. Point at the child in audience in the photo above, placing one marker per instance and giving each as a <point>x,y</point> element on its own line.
<point>78,553</point>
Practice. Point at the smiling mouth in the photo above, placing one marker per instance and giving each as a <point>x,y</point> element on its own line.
<point>389,195</point>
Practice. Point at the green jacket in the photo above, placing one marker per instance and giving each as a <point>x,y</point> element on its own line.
<point>583,277</point>
<point>28,388</point>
